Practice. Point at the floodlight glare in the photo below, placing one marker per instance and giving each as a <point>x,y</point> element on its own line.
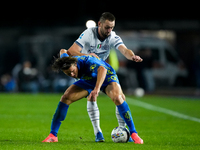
<point>90,23</point>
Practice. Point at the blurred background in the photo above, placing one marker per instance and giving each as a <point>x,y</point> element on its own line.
<point>168,39</point>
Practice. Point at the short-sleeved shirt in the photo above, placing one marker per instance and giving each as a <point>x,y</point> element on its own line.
<point>90,42</point>
<point>87,72</point>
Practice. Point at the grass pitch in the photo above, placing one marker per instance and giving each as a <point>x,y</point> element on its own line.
<point>25,121</point>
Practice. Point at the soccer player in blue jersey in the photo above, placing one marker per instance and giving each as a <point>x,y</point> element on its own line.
<point>95,75</point>
<point>98,41</point>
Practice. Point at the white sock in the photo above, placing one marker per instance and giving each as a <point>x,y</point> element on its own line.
<point>121,121</point>
<point>93,112</point>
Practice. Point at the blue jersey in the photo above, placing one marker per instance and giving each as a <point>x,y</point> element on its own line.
<point>88,65</point>
<point>87,72</point>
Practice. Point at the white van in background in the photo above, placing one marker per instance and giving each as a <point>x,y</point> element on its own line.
<point>167,66</point>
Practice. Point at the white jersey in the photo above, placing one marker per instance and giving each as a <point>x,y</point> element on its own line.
<point>90,43</point>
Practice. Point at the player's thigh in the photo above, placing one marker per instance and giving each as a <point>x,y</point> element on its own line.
<point>73,93</point>
<point>114,91</point>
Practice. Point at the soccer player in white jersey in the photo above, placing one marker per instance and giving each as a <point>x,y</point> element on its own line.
<point>98,41</point>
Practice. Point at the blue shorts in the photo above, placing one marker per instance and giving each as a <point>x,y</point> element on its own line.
<point>88,85</point>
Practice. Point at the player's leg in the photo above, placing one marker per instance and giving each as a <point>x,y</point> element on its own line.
<point>93,111</point>
<point>121,121</point>
<point>72,94</point>
<point>114,91</point>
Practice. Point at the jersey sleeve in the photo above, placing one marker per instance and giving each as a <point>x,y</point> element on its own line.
<point>117,41</point>
<point>83,38</point>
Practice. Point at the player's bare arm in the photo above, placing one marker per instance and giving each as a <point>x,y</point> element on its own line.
<point>129,54</point>
<point>101,75</point>
<point>75,50</point>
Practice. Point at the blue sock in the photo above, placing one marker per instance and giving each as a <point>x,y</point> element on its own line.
<point>59,116</point>
<point>125,113</point>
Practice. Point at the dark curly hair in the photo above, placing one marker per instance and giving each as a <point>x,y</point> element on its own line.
<point>63,63</point>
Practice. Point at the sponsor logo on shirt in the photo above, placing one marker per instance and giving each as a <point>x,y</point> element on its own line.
<point>92,67</point>
<point>106,47</point>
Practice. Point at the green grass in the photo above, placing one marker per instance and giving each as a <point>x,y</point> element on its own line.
<point>25,121</point>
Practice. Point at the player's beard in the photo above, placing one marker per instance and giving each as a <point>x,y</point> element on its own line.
<point>104,34</point>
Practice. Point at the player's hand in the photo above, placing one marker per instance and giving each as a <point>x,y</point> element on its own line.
<point>93,54</point>
<point>137,58</point>
<point>93,95</point>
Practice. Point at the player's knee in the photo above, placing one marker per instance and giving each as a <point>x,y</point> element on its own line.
<point>117,99</point>
<point>124,97</point>
<point>66,98</point>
